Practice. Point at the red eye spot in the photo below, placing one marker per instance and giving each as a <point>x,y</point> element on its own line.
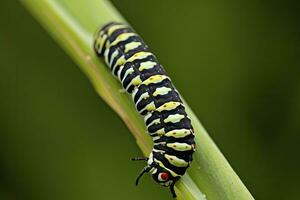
<point>164,176</point>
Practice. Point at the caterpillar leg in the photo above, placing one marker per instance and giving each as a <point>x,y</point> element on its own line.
<point>172,190</point>
<point>145,170</point>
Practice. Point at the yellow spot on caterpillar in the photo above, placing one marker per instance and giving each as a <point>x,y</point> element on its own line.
<point>179,133</point>
<point>176,161</point>
<point>161,131</point>
<point>168,106</point>
<point>136,81</point>
<point>131,45</point>
<point>107,44</point>
<point>139,55</point>
<point>150,106</point>
<point>161,91</point>
<point>122,37</point>
<point>119,62</point>
<point>174,118</point>
<point>180,146</point>
<point>155,79</point>
<point>115,27</point>
<point>147,65</point>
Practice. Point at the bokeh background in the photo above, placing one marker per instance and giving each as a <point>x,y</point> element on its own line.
<point>235,62</point>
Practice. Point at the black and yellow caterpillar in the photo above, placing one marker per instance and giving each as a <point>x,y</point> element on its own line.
<point>155,98</point>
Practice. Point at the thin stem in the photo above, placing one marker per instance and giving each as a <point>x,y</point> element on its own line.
<point>73,23</point>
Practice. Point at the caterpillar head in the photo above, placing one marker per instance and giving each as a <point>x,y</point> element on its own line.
<point>162,176</point>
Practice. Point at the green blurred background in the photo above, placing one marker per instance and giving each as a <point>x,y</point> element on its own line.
<point>235,62</point>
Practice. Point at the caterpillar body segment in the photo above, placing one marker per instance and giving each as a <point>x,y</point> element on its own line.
<point>155,98</point>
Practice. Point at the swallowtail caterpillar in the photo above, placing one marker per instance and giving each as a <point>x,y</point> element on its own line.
<point>155,98</point>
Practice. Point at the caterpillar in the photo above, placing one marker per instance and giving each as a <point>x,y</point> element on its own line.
<point>155,98</point>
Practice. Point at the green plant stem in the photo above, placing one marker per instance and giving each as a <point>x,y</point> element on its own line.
<point>73,23</point>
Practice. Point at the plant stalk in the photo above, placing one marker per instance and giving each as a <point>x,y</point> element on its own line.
<point>72,24</point>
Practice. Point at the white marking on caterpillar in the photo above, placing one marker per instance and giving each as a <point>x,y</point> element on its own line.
<point>174,118</point>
